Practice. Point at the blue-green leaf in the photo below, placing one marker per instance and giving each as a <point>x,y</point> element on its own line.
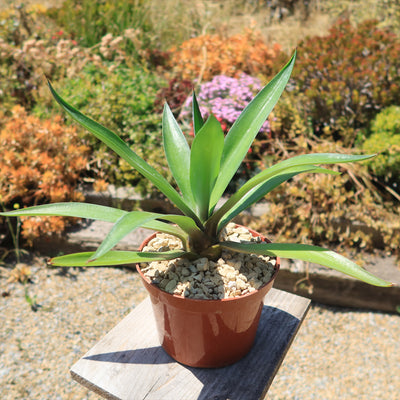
<point>258,192</point>
<point>115,143</point>
<point>132,220</point>
<point>177,152</point>
<point>204,164</point>
<point>244,130</point>
<point>198,121</point>
<point>78,210</point>
<point>103,213</point>
<point>126,224</point>
<point>294,162</point>
<point>309,253</point>
<point>112,258</point>
<point>164,227</point>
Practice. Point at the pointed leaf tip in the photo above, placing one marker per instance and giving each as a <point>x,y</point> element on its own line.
<point>245,128</point>
<point>114,142</point>
<point>198,121</point>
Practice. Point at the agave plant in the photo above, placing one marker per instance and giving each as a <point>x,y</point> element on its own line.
<point>202,173</point>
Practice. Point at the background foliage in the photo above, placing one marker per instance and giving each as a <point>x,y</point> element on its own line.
<point>41,162</point>
<point>385,139</point>
<point>122,99</point>
<point>88,21</point>
<point>205,56</point>
<point>343,96</point>
<point>347,77</point>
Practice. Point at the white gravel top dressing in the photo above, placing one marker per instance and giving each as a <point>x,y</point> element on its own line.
<point>232,275</point>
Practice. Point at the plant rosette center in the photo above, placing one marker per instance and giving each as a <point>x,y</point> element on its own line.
<point>231,275</point>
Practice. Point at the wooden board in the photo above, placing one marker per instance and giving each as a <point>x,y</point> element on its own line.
<point>129,364</point>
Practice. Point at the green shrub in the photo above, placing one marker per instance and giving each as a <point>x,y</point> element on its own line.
<point>31,45</point>
<point>22,65</point>
<point>88,21</point>
<point>385,139</point>
<point>289,120</point>
<point>122,99</point>
<point>347,77</point>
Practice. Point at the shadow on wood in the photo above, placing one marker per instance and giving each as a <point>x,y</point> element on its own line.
<point>247,379</point>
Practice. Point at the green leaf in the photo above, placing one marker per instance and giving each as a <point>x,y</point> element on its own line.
<point>198,121</point>
<point>299,161</point>
<point>164,227</point>
<point>244,130</point>
<point>258,192</point>
<point>132,220</point>
<point>79,210</point>
<point>112,258</point>
<point>309,253</point>
<point>294,162</point>
<point>204,164</point>
<point>187,225</point>
<point>115,143</point>
<point>177,152</point>
<point>103,213</point>
<point>126,224</point>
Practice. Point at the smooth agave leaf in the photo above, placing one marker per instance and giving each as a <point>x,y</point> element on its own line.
<point>286,165</point>
<point>204,164</point>
<point>96,212</point>
<point>112,258</point>
<point>78,210</point>
<point>164,227</point>
<point>309,253</point>
<point>126,224</point>
<point>177,152</point>
<point>115,143</point>
<point>244,130</point>
<point>198,121</point>
<point>258,192</point>
<point>132,220</point>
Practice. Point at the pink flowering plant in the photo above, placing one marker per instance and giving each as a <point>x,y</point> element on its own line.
<point>225,98</point>
<point>202,173</point>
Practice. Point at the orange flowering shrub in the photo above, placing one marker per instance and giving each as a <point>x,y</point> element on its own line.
<point>40,162</point>
<point>206,56</point>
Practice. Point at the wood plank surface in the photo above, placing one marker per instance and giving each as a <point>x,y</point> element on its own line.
<point>129,364</point>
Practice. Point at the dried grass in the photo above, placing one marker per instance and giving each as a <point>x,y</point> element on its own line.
<point>175,21</point>
<point>184,19</point>
<point>5,4</point>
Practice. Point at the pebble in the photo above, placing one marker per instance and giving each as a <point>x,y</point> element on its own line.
<point>232,275</point>
<point>185,272</point>
<point>171,286</point>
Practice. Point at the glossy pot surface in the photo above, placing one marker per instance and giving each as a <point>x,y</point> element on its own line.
<point>206,333</point>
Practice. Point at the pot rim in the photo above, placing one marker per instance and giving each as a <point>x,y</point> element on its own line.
<point>225,300</point>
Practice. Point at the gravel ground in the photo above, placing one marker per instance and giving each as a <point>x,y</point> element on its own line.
<point>338,353</point>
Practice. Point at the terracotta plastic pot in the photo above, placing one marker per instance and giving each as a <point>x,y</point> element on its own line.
<point>207,333</point>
